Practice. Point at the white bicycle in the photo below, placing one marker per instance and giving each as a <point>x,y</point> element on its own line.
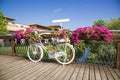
<point>59,49</point>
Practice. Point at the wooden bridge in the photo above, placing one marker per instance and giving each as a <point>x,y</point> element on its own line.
<point>17,68</point>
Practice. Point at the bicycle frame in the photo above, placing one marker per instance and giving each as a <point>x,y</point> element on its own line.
<point>57,50</point>
<point>50,53</point>
<point>60,49</point>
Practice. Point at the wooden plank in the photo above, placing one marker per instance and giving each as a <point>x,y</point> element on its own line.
<point>15,73</point>
<point>26,72</point>
<point>108,74</point>
<point>64,73</point>
<point>102,72</point>
<point>11,65</point>
<point>42,71</point>
<point>81,73</point>
<point>9,70</point>
<point>117,72</point>
<point>76,71</point>
<point>43,75</point>
<point>70,72</point>
<point>52,73</point>
<point>54,77</point>
<point>86,73</point>
<point>97,73</point>
<point>8,61</point>
<point>92,72</point>
<point>115,76</point>
<point>5,57</point>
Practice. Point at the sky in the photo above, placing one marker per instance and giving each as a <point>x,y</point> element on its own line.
<point>81,13</point>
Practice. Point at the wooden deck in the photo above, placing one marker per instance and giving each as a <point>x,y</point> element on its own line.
<point>17,68</point>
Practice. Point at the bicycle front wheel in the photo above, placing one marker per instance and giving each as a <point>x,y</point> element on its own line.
<point>65,54</point>
<point>35,52</point>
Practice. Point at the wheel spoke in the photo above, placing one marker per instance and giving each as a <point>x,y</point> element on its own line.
<point>69,54</point>
<point>35,53</point>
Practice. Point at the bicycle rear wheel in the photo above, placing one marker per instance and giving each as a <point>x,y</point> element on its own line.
<point>65,54</point>
<point>35,52</point>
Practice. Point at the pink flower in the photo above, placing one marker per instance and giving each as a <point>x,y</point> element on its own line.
<point>77,41</point>
<point>19,34</point>
<point>93,32</point>
<point>23,34</point>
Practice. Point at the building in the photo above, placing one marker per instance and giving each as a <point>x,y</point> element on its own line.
<point>12,26</point>
<point>45,28</point>
<point>39,27</point>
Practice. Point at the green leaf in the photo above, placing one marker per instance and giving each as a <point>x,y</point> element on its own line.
<point>3,24</point>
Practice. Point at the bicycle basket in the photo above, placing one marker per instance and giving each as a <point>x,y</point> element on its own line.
<point>34,40</point>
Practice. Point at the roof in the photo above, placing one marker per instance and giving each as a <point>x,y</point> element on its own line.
<point>41,26</point>
<point>55,26</point>
<point>8,18</point>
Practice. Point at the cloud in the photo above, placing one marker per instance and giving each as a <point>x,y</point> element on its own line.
<point>57,10</point>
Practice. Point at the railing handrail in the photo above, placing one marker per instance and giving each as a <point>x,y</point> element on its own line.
<point>115,30</point>
<point>8,36</point>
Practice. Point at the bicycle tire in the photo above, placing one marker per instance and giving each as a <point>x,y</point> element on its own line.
<point>70,54</point>
<point>34,52</point>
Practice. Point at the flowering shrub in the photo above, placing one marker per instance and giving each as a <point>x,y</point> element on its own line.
<point>62,34</point>
<point>87,33</point>
<point>19,34</point>
<point>92,33</point>
<point>28,33</point>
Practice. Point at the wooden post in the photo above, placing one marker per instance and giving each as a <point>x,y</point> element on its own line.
<point>13,46</point>
<point>118,55</point>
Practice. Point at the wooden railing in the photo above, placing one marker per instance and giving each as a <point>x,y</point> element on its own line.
<point>12,39</point>
<point>117,39</point>
<point>118,55</point>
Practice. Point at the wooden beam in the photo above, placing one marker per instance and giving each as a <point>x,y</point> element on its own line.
<point>13,46</point>
<point>118,55</point>
<point>7,36</point>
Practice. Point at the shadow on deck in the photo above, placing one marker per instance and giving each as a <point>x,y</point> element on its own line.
<point>17,68</point>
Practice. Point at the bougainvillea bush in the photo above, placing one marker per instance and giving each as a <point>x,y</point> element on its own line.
<point>28,33</point>
<point>98,33</point>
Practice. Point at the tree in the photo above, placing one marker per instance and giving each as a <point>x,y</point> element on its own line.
<point>3,24</point>
<point>113,24</point>
<point>100,22</point>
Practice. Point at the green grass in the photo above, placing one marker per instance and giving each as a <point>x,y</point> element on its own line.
<point>6,50</point>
